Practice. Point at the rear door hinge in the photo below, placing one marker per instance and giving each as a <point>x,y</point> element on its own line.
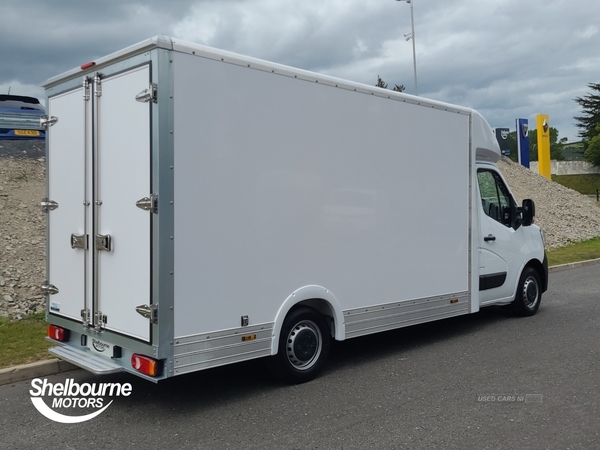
<point>48,289</point>
<point>47,121</point>
<point>48,205</point>
<point>149,312</point>
<point>148,203</point>
<point>148,95</point>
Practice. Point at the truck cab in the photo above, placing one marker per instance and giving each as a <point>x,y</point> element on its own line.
<point>513,268</point>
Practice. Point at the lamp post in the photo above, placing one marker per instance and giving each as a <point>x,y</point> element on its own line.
<point>411,35</point>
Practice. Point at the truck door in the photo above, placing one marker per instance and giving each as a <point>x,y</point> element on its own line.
<point>68,260</point>
<point>99,170</point>
<point>500,245</point>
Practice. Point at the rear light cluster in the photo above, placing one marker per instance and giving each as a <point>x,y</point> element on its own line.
<point>58,333</point>
<point>145,364</point>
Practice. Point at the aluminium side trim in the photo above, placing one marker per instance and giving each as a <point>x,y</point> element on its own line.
<point>374,319</point>
<point>163,223</point>
<point>471,234</point>
<point>218,348</point>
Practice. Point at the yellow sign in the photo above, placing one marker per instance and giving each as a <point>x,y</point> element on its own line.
<point>543,143</point>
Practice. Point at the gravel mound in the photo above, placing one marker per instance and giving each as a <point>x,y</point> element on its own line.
<point>565,215</point>
<point>22,227</point>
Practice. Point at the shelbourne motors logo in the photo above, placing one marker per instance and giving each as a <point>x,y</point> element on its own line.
<point>71,395</point>
<point>99,346</point>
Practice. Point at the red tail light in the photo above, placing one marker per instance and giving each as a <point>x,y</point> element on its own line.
<point>145,364</point>
<point>58,333</point>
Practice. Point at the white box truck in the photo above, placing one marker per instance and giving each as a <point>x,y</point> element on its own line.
<point>205,208</point>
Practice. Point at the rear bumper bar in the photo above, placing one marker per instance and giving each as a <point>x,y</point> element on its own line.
<point>85,360</point>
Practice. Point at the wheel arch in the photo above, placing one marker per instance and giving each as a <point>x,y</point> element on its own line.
<point>318,298</point>
<point>541,268</point>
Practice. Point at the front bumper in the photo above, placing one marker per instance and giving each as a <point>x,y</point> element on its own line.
<point>545,280</point>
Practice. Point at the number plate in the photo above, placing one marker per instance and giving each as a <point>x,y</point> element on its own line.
<point>27,133</point>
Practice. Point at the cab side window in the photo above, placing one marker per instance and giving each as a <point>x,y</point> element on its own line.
<point>495,198</point>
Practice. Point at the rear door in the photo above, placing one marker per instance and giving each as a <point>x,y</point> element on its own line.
<point>99,167</point>
<point>122,177</point>
<point>67,162</point>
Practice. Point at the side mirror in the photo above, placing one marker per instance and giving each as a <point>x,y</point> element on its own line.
<point>527,212</point>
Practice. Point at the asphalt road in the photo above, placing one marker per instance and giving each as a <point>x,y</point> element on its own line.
<point>455,384</point>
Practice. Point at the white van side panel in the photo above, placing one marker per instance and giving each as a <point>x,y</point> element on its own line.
<point>282,183</point>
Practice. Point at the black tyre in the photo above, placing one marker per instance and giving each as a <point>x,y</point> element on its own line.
<point>529,293</point>
<point>304,346</point>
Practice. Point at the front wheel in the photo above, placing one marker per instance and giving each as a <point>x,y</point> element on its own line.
<point>529,293</point>
<point>303,346</point>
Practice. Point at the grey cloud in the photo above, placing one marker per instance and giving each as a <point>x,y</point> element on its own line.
<point>502,57</point>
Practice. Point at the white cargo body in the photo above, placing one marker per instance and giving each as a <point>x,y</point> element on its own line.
<point>205,208</point>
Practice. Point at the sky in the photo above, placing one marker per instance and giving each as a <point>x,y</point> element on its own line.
<point>505,58</point>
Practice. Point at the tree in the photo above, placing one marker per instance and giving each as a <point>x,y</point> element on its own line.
<point>592,152</point>
<point>512,145</point>
<point>589,121</point>
<point>382,84</point>
<point>556,146</point>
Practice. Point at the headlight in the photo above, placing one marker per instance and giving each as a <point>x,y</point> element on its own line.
<point>543,237</point>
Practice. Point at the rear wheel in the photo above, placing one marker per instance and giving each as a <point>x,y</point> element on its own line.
<point>529,293</point>
<point>303,346</point>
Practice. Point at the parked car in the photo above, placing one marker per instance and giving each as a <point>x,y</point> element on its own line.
<point>20,117</point>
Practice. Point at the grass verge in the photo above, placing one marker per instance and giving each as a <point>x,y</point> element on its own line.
<point>23,341</point>
<point>585,184</point>
<point>580,251</point>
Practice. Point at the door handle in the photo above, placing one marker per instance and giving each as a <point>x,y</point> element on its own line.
<point>489,238</point>
<point>104,242</point>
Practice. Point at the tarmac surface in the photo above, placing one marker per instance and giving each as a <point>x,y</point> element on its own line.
<point>481,381</point>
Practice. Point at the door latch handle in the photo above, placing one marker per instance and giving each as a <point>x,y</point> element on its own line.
<point>103,242</point>
<point>79,241</point>
<point>489,238</point>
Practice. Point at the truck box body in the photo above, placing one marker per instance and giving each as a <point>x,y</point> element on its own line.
<point>197,197</point>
